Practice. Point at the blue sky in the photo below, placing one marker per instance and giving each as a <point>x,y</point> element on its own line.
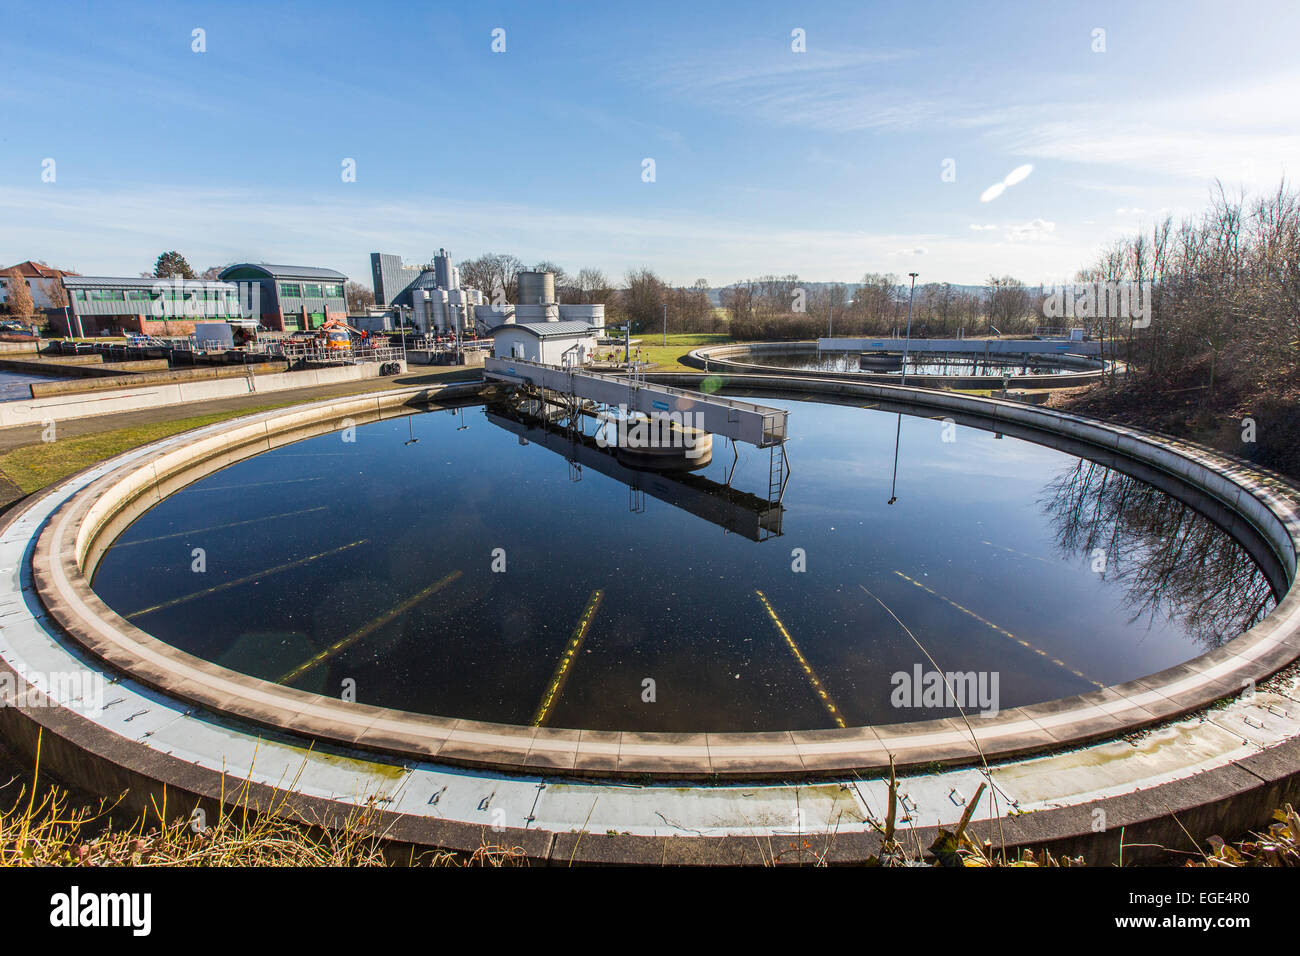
<point>826,163</point>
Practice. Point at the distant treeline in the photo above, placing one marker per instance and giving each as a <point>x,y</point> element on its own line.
<point>774,307</point>
<point>1224,285</point>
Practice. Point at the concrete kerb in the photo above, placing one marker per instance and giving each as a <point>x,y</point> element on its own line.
<point>72,535</point>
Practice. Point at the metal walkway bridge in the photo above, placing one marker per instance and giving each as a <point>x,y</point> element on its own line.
<point>758,425</point>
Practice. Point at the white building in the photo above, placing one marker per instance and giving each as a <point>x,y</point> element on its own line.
<point>38,277</point>
<point>550,343</point>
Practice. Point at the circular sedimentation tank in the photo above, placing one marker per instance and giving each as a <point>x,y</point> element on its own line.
<point>1048,578</point>
<point>941,580</point>
<point>964,364</point>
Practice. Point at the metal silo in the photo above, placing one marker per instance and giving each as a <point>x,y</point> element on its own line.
<point>442,269</point>
<point>536,288</point>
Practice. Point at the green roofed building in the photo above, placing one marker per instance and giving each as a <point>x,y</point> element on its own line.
<point>293,298</point>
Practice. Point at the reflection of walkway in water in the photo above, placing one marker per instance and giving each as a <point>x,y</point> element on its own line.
<point>1003,631</point>
<point>818,688</point>
<point>244,580</point>
<point>367,629</point>
<point>566,660</point>
<point>739,512</point>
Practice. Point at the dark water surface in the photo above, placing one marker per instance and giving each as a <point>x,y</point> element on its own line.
<point>373,558</point>
<point>15,385</point>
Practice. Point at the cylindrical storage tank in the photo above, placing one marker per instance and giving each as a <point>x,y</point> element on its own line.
<point>533,312</point>
<point>591,314</point>
<point>536,287</point>
<point>442,269</point>
<point>438,310</point>
<point>420,308</point>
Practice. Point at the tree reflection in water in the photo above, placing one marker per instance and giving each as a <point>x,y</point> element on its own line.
<point>1169,559</point>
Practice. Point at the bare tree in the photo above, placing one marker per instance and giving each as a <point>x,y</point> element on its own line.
<point>1007,303</point>
<point>19,300</point>
<point>493,274</point>
<point>55,293</point>
<point>643,299</point>
<point>360,298</point>
<point>1225,293</point>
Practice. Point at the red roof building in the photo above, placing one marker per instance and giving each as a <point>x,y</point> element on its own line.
<point>37,275</point>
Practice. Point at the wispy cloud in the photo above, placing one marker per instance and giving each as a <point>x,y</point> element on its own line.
<point>1035,230</point>
<point>1244,132</point>
<point>823,89</point>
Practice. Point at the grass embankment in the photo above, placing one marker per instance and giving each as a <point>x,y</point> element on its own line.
<point>32,467</point>
<point>1254,414</point>
<point>41,463</point>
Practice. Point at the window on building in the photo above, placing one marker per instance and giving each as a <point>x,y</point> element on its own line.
<point>312,290</point>
<point>334,291</point>
<point>291,289</point>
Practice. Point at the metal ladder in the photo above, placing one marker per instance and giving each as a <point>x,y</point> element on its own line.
<point>778,473</point>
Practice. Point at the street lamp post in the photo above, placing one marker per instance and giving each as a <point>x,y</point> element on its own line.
<point>907,343</point>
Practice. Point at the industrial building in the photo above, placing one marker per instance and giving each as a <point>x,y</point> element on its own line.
<point>431,298</point>
<point>435,301</point>
<point>108,305</point>
<point>539,329</point>
<point>550,343</point>
<point>391,279</point>
<point>293,298</point>
<point>537,303</point>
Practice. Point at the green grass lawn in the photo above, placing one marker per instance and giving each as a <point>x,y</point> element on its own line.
<point>32,467</point>
<point>668,356</point>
